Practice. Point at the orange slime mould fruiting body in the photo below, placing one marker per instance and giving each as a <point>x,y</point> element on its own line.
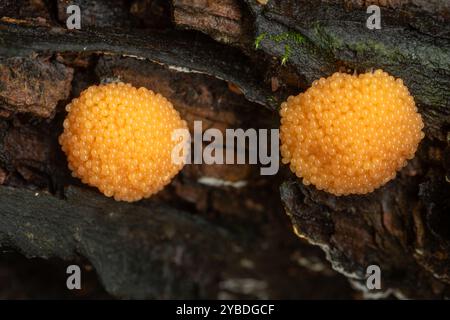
<point>350,134</point>
<point>119,139</point>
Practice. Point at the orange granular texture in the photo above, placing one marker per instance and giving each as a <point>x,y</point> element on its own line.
<point>349,134</point>
<point>119,139</point>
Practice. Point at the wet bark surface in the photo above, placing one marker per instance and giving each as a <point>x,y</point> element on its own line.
<point>230,64</point>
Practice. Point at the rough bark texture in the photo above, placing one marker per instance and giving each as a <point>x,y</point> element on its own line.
<point>226,235</point>
<point>33,86</point>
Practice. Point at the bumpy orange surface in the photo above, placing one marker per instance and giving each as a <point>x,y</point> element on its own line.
<point>119,139</point>
<point>349,134</point>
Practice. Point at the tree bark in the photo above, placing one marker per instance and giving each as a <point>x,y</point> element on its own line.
<point>230,64</point>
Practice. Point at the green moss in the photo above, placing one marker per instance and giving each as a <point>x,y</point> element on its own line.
<point>259,39</point>
<point>328,39</point>
<point>272,100</point>
<point>288,38</point>
<point>325,38</point>
<point>286,55</point>
<point>373,47</point>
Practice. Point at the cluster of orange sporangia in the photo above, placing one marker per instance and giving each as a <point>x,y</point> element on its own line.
<point>119,139</point>
<point>347,134</point>
<point>350,134</point>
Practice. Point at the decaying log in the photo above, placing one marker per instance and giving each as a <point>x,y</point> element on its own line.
<point>113,237</point>
<point>243,249</point>
<point>264,51</point>
<point>171,48</point>
<point>403,227</point>
<point>143,251</point>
